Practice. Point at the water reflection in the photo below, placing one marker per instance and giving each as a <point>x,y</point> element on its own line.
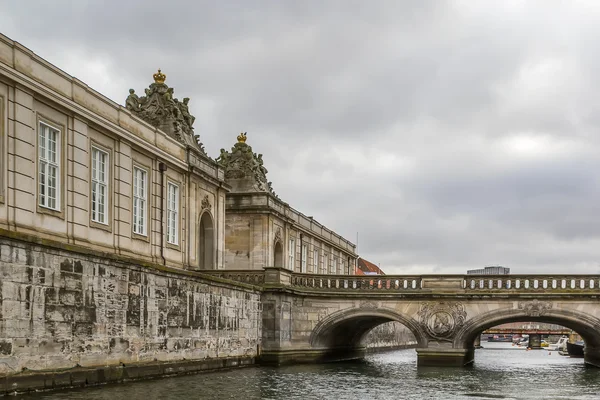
<point>499,373</point>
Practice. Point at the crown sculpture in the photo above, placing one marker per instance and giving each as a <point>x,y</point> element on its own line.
<point>242,137</point>
<point>160,109</point>
<point>159,77</point>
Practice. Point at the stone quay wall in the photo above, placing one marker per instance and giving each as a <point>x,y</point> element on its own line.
<point>391,335</point>
<point>60,309</point>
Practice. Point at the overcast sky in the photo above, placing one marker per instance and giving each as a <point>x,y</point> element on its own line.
<point>450,135</point>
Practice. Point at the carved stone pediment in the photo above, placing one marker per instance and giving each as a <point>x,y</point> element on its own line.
<point>244,169</point>
<point>160,109</point>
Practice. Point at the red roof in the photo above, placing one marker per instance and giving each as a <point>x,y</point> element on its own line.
<point>365,267</point>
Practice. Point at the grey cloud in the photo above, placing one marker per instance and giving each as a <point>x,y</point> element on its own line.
<point>391,119</point>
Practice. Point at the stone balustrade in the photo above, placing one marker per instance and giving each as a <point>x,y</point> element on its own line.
<point>525,283</point>
<point>356,282</point>
<point>256,277</point>
<point>412,283</point>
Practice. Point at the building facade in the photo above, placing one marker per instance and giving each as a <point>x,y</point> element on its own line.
<point>81,169</point>
<point>135,181</point>
<point>364,267</point>
<point>261,230</point>
<point>106,214</point>
<point>494,270</point>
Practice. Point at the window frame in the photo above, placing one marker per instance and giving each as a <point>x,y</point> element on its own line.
<point>291,253</point>
<point>325,265</point>
<point>304,256</point>
<point>333,266</point>
<point>2,153</point>
<point>315,260</point>
<point>177,212</point>
<point>146,170</point>
<point>107,173</point>
<point>59,209</point>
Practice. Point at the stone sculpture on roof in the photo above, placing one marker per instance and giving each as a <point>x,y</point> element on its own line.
<point>244,169</point>
<point>160,109</point>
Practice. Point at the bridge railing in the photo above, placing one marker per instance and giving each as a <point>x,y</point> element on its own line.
<point>411,283</point>
<point>253,277</point>
<point>525,283</point>
<point>356,282</point>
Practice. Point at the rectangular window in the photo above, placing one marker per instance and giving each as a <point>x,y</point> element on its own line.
<point>172,213</point>
<point>304,257</point>
<point>140,193</point>
<point>99,186</point>
<point>316,261</point>
<point>49,167</point>
<point>325,265</point>
<point>334,266</point>
<point>291,253</point>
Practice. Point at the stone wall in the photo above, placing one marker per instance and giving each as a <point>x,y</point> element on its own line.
<point>389,335</point>
<point>61,309</point>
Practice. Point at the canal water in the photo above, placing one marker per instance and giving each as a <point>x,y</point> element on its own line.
<point>500,372</point>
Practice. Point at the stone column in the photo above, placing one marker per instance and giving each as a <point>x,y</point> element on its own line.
<point>535,341</point>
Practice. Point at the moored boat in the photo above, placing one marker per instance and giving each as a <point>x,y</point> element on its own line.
<point>575,345</point>
<point>500,338</point>
<point>558,345</point>
<point>576,349</point>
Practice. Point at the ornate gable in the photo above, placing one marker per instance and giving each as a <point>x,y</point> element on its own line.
<point>160,109</point>
<point>244,169</point>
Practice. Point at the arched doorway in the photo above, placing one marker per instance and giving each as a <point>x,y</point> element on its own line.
<point>278,255</point>
<point>206,242</point>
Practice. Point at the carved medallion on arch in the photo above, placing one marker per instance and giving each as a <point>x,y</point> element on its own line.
<point>205,205</point>
<point>277,236</point>
<point>369,305</point>
<point>535,308</point>
<point>441,320</point>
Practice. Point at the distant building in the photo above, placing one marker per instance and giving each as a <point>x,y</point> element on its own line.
<point>494,270</point>
<point>364,267</point>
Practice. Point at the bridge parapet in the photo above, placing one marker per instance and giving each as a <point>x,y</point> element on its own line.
<point>467,284</point>
<point>533,283</point>
<point>256,277</point>
<point>356,282</point>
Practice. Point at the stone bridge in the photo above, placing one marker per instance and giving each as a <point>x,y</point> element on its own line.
<point>309,318</point>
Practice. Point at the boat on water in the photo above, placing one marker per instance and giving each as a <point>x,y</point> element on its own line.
<point>500,338</point>
<point>574,346</point>
<point>576,349</point>
<point>558,345</point>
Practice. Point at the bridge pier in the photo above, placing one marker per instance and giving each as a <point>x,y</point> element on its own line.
<point>591,356</point>
<point>535,341</point>
<point>279,357</point>
<point>477,342</point>
<point>444,357</point>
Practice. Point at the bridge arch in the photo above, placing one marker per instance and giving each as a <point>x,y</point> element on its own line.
<point>346,328</point>
<point>586,325</point>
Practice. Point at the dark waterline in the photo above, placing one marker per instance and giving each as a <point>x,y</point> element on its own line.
<point>500,372</point>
